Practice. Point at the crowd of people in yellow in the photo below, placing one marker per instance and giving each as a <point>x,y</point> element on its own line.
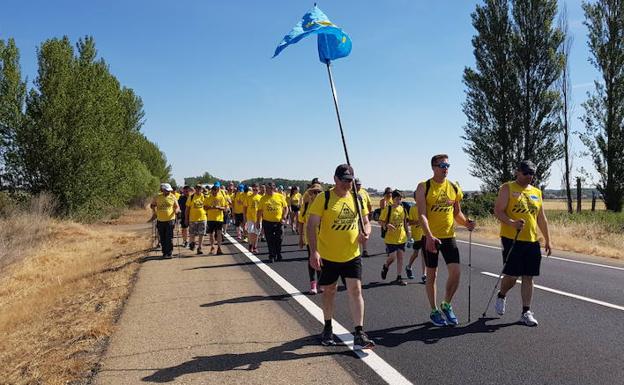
<point>333,225</point>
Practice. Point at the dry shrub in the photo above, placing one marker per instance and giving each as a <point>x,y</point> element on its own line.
<point>598,238</point>
<point>22,229</point>
<point>59,303</point>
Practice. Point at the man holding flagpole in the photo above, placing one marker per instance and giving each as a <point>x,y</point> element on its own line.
<point>334,237</point>
<point>337,214</point>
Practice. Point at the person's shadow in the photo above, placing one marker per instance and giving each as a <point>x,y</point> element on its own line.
<point>242,361</point>
<point>428,334</point>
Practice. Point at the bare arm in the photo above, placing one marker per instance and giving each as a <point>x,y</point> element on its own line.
<point>312,228</point>
<point>542,223</point>
<point>461,218</point>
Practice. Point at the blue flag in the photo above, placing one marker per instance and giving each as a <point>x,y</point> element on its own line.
<point>333,43</point>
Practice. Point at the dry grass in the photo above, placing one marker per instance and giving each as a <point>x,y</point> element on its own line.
<point>579,237</point>
<point>561,204</point>
<point>59,303</point>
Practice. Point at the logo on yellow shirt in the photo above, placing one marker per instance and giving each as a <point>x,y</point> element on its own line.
<point>345,220</point>
<point>524,205</point>
<point>443,204</point>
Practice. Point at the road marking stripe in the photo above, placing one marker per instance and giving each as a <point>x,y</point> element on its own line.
<point>553,257</point>
<point>376,363</point>
<point>597,302</point>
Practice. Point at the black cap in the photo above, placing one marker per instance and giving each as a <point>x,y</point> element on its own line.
<point>314,180</point>
<point>357,181</point>
<point>527,166</point>
<point>344,172</point>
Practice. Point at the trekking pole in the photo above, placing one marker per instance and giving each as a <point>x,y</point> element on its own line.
<point>501,273</point>
<point>469,270</point>
<point>177,236</point>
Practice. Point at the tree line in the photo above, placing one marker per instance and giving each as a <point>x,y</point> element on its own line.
<point>76,133</point>
<point>518,93</point>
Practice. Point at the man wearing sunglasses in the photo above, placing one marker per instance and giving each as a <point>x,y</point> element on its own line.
<point>519,209</point>
<point>439,208</point>
<point>334,237</point>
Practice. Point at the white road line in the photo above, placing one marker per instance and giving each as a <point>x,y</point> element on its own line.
<point>553,257</point>
<point>379,366</point>
<point>586,299</point>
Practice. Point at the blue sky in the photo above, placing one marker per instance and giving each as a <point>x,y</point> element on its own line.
<point>215,100</point>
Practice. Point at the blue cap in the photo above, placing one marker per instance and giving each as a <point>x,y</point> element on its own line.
<point>217,184</point>
<point>241,187</point>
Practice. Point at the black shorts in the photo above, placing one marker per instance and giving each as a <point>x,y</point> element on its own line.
<point>294,209</point>
<point>449,250</point>
<point>417,245</point>
<point>525,258</point>
<point>214,226</point>
<point>238,219</point>
<point>390,248</point>
<point>331,271</point>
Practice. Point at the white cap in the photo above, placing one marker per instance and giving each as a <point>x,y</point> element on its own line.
<point>166,187</point>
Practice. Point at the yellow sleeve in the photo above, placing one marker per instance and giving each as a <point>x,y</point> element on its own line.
<point>317,206</point>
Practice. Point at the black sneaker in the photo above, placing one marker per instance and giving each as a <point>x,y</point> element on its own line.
<point>199,251</point>
<point>327,338</point>
<point>185,244</point>
<point>409,272</point>
<point>192,246</point>
<point>399,281</point>
<point>361,341</point>
<point>364,254</point>
<point>219,252</point>
<point>278,258</point>
<point>384,272</point>
<point>270,260</point>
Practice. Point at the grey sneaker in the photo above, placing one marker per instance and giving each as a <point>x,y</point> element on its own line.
<point>361,341</point>
<point>528,319</point>
<point>500,305</point>
<point>327,338</point>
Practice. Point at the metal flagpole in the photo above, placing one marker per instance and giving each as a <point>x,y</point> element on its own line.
<point>344,144</point>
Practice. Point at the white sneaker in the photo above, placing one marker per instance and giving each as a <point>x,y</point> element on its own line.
<point>500,305</point>
<point>528,319</point>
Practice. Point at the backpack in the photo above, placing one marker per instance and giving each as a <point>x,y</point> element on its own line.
<point>327,193</point>
<point>406,209</point>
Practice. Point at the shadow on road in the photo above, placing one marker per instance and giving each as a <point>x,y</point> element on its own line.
<point>429,334</point>
<point>249,298</point>
<point>242,361</point>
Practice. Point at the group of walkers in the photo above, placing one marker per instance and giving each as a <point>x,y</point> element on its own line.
<point>334,226</point>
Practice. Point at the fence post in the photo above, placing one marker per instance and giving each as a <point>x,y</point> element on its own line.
<point>593,201</point>
<point>578,194</point>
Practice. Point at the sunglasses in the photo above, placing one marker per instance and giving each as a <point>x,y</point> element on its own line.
<point>443,165</point>
<point>527,173</point>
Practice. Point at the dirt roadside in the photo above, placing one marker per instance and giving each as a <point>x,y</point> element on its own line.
<point>205,320</point>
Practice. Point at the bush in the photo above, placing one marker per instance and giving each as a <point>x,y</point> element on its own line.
<point>479,205</point>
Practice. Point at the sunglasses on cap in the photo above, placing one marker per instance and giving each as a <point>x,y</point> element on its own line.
<point>527,173</point>
<point>443,165</point>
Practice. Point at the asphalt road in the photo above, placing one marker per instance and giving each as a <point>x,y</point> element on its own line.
<point>576,342</point>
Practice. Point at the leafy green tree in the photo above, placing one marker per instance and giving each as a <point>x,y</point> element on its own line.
<point>539,62</point>
<point>604,109</point>
<point>512,103</point>
<point>12,101</point>
<point>491,98</point>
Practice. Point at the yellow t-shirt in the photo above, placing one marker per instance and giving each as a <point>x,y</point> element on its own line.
<point>252,203</point>
<point>337,240</point>
<point>294,200</point>
<point>272,207</point>
<point>177,195</point>
<point>416,230</point>
<point>238,202</point>
<point>397,218</point>
<point>215,200</point>
<point>365,197</point>
<point>440,201</point>
<point>196,203</point>
<point>388,201</point>
<point>523,203</point>
<point>165,208</point>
